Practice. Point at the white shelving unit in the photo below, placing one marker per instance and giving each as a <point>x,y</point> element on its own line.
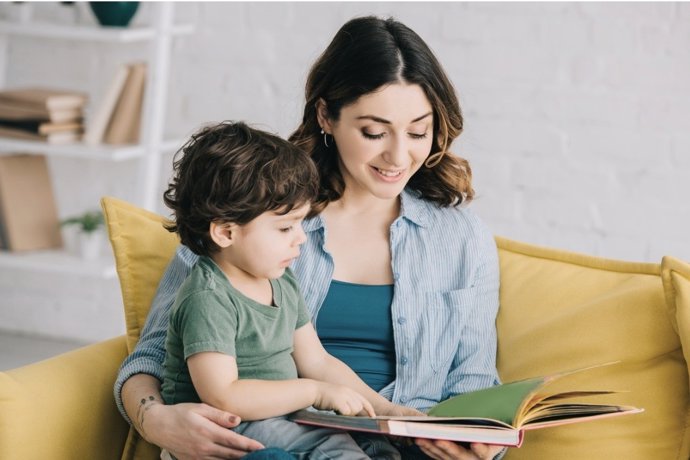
<point>87,152</point>
<point>159,36</point>
<point>89,33</point>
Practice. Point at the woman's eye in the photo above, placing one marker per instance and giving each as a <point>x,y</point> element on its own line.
<point>418,135</point>
<point>373,136</point>
<point>286,229</point>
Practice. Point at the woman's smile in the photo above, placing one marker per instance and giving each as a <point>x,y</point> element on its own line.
<point>388,175</point>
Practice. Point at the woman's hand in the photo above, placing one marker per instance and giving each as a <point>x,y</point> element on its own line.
<point>449,450</point>
<point>196,432</point>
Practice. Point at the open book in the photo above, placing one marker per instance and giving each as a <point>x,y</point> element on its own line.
<point>496,415</point>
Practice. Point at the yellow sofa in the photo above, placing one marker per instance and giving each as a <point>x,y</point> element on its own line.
<point>559,310</point>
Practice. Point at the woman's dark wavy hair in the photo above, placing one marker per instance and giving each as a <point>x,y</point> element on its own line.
<point>232,173</point>
<point>366,54</point>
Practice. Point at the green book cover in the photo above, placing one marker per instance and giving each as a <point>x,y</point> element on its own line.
<point>501,402</point>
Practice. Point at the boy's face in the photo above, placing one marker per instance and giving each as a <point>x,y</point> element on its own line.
<point>267,245</point>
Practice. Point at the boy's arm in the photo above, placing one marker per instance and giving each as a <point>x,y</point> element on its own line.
<point>215,379</point>
<point>314,362</point>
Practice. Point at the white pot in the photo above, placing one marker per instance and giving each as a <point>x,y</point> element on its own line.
<point>90,245</point>
<point>70,239</point>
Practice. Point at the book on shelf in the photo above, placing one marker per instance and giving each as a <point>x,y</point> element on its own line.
<point>98,122</point>
<point>28,215</point>
<point>46,115</point>
<point>62,137</point>
<point>42,127</point>
<point>17,112</point>
<point>44,98</point>
<point>125,123</point>
<point>497,415</point>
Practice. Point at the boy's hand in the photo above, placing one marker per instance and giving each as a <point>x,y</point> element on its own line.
<point>341,399</point>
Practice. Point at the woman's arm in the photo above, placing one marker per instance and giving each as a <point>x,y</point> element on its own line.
<point>314,362</point>
<point>215,379</point>
<point>188,431</point>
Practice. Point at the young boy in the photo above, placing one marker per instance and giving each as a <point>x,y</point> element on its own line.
<point>239,336</point>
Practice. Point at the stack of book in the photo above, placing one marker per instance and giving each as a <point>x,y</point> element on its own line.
<point>42,114</point>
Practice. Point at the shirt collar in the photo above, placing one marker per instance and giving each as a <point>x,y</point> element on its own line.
<point>412,208</point>
<point>313,224</point>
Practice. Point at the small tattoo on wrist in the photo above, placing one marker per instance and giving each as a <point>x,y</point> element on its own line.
<point>144,405</point>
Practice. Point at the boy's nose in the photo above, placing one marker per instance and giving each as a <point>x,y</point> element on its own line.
<point>300,236</point>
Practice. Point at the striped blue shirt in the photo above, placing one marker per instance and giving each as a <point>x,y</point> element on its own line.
<point>445,301</point>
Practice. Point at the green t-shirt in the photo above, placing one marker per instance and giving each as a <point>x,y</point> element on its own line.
<point>209,314</point>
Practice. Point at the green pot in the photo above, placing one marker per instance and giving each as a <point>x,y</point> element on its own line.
<point>116,14</point>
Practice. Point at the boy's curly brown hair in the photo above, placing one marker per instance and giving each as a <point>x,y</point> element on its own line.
<point>232,173</point>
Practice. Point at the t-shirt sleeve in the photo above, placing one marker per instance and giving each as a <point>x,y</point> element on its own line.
<point>302,313</point>
<point>206,323</point>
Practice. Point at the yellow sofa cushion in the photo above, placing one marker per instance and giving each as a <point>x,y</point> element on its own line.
<point>63,408</point>
<point>561,310</point>
<point>142,249</point>
<point>676,278</point>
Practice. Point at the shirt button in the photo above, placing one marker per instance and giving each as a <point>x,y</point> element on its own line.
<point>403,360</point>
<point>396,276</point>
<point>402,320</point>
<point>403,399</point>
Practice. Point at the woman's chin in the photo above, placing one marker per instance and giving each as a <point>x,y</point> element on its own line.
<point>388,192</point>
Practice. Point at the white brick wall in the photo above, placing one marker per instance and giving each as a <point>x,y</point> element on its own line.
<point>577,114</point>
<point>578,125</point>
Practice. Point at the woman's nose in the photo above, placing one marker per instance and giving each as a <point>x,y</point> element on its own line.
<point>396,152</point>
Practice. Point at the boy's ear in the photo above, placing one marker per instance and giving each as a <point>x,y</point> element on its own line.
<point>222,233</point>
<point>322,116</point>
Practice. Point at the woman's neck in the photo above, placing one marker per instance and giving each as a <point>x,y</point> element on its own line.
<point>368,206</point>
<point>359,239</point>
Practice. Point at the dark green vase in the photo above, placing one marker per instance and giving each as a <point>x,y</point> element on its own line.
<point>116,14</point>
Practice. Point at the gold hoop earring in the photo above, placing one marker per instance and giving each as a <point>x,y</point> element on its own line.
<point>325,138</point>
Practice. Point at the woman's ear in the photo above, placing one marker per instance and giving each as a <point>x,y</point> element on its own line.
<point>222,233</point>
<point>322,116</point>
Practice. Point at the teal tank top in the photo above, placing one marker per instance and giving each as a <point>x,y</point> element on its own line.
<point>354,325</point>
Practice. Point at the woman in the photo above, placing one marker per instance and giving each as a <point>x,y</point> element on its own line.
<point>401,282</point>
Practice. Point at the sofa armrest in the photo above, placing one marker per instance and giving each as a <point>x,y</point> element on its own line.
<point>63,407</point>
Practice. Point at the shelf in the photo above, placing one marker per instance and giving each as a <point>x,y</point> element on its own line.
<point>58,262</point>
<point>80,150</point>
<point>87,32</point>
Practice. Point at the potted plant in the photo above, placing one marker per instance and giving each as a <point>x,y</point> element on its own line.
<point>89,238</point>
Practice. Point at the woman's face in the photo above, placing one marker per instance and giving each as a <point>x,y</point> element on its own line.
<point>383,139</point>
